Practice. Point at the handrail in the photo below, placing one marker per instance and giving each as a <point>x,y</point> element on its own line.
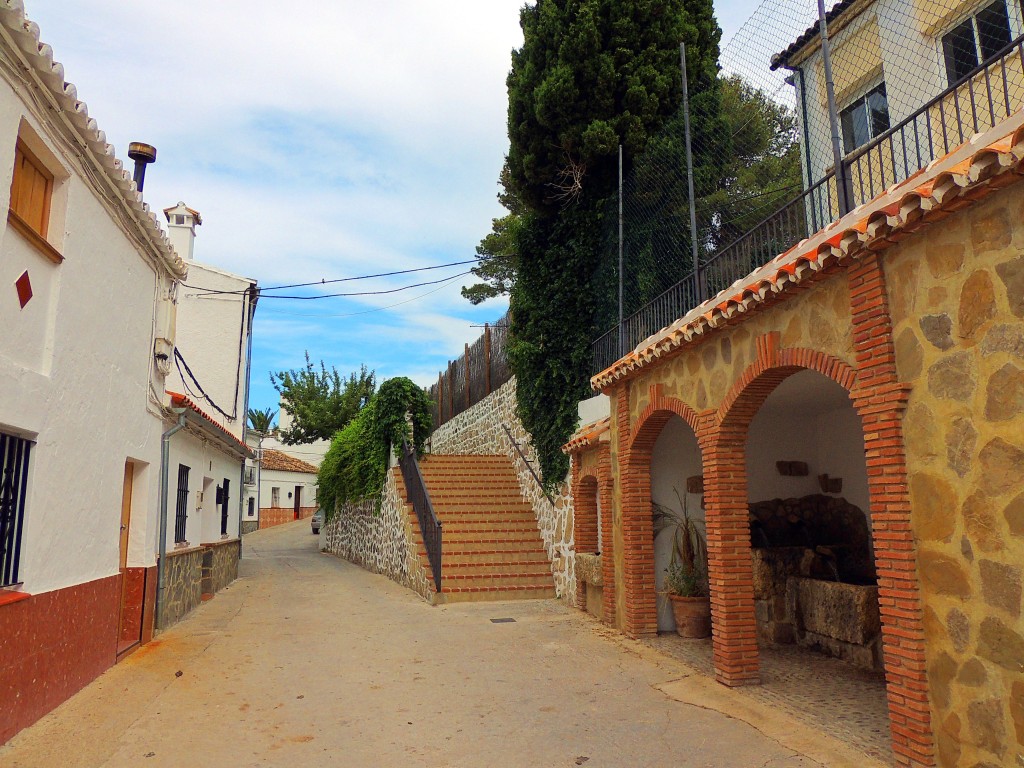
<point>526,461</point>
<point>419,497</point>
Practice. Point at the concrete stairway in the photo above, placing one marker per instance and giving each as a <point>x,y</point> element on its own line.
<point>492,549</point>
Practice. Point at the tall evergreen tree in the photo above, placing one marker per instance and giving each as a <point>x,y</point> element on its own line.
<point>591,75</point>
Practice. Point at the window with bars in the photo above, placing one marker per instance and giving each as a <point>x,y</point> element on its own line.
<point>865,119</point>
<point>14,457</point>
<point>224,508</point>
<point>181,508</point>
<point>976,39</point>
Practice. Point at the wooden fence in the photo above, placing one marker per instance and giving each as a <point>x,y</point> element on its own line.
<point>482,368</point>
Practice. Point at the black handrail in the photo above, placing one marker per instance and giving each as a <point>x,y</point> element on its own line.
<point>419,497</point>
<point>526,461</point>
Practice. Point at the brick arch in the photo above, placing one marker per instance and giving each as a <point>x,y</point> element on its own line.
<point>592,495</point>
<point>638,577</point>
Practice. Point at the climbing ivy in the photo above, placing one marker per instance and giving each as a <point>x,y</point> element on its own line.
<point>355,465</point>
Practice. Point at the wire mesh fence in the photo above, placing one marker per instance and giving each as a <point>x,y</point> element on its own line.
<point>481,369</point>
<point>799,128</point>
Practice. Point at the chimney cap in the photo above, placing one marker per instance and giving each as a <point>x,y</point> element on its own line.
<point>141,152</point>
<point>184,209</point>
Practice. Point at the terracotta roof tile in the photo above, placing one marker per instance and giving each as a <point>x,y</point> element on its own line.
<point>282,462</point>
<point>588,434</point>
<point>180,401</point>
<point>988,161</point>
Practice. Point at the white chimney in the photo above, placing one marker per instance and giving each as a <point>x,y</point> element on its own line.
<point>181,228</point>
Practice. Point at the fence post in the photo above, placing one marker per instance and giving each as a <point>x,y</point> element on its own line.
<point>440,398</point>
<point>487,358</point>
<point>451,392</point>
<point>843,187</point>
<point>466,358</point>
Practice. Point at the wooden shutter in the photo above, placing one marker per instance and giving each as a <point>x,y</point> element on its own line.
<point>31,188</point>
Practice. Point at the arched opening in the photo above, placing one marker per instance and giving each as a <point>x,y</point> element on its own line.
<point>810,526</point>
<point>675,462</point>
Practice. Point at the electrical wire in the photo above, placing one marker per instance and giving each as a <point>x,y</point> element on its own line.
<point>335,280</point>
<point>365,311</point>
<point>179,361</point>
<point>365,293</point>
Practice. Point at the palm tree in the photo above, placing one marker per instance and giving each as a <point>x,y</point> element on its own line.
<point>262,421</point>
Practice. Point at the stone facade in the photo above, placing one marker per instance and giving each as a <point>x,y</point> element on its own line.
<point>957,300</point>
<point>182,585</point>
<point>380,540</point>
<point>249,526</point>
<point>220,565</point>
<point>479,431</point>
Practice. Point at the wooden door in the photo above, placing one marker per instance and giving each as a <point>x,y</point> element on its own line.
<point>298,501</point>
<point>124,620</point>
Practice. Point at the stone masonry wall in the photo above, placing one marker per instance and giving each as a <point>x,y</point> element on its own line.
<point>478,431</point>
<point>381,541</point>
<point>957,301</point>
<point>220,566</point>
<point>182,585</point>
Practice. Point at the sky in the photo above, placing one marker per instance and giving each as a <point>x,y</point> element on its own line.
<point>319,139</point>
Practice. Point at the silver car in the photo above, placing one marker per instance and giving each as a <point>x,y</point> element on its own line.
<point>317,520</point>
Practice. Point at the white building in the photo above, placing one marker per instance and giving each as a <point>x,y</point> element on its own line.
<point>209,386</point>
<point>87,282</point>
<point>287,488</point>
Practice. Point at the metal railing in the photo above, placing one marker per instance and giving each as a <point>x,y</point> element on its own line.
<point>980,100</point>
<point>419,497</point>
<point>526,461</point>
<point>14,456</point>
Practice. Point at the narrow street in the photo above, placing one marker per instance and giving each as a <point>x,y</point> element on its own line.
<point>308,660</point>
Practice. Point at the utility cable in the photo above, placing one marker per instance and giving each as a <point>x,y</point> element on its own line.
<point>335,280</point>
<point>179,361</point>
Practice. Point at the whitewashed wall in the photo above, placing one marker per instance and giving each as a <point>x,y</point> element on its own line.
<point>286,481</point>
<point>76,369</point>
<point>209,466</point>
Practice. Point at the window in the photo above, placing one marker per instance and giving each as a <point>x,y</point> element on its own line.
<point>275,497</point>
<point>252,506</point>
<point>181,510</point>
<point>14,455</point>
<point>865,119</point>
<point>975,40</point>
<point>224,508</point>
<point>31,190</point>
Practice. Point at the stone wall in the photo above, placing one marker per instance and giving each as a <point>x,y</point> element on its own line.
<point>249,526</point>
<point>220,565</point>
<point>957,302</point>
<point>379,540</point>
<point>478,431</point>
<point>183,576</point>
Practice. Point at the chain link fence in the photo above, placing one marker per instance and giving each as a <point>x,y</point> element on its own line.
<point>783,149</point>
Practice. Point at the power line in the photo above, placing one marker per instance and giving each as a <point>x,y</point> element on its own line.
<point>367,293</point>
<point>334,280</point>
<point>365,311</point>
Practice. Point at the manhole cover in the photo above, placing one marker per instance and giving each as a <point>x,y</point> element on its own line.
<point>503,621</point>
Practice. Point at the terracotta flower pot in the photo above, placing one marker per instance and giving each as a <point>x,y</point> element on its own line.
<point>693,615</point>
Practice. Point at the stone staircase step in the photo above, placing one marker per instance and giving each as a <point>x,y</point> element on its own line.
<point>496,594</point>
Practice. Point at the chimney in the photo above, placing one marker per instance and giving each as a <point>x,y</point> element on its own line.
<point>143,155</point>
<point>181,228</point>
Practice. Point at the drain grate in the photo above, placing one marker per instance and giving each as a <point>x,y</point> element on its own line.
<point>503,621</point>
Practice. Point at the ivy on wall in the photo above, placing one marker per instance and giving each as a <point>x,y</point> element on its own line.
<point>355,466</point>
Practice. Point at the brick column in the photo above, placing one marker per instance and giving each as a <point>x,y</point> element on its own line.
<point>585,490</point>
<point>730,567</point>
<point>605,488</point>
<point>881,399</point>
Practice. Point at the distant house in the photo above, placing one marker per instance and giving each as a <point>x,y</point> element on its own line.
<point>287,488</point>
<point>87,283</point>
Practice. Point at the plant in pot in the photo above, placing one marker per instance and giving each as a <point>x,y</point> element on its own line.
<point>686,578</point>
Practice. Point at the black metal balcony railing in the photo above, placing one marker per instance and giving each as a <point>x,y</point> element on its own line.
<point>419,497</point>
<point>980,100</point>
<point>14,456</point>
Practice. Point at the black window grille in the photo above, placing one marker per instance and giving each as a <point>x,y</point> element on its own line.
<point>975,40</point>
<point>224,508</point>
<point>14,455</point>
<point>181,510</point>
<point>252,507</point>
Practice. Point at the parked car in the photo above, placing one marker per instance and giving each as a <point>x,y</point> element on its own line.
<point>317,520</point>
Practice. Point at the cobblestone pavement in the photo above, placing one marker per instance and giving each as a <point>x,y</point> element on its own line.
<point>308,660</point>
<point>827,694</point>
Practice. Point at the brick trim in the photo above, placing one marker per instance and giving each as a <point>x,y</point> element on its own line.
<point>881,399</point>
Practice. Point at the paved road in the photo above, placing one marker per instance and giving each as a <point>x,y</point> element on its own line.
<point>307,660</point>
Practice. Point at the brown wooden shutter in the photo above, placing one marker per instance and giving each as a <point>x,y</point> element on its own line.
<point>30,190</point>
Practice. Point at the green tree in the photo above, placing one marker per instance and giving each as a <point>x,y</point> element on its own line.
<point>262,421</point>
<point>591,75</point>
<point>321,402</point>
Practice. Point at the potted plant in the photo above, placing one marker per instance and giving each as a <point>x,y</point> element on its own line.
<point>686,578</point>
